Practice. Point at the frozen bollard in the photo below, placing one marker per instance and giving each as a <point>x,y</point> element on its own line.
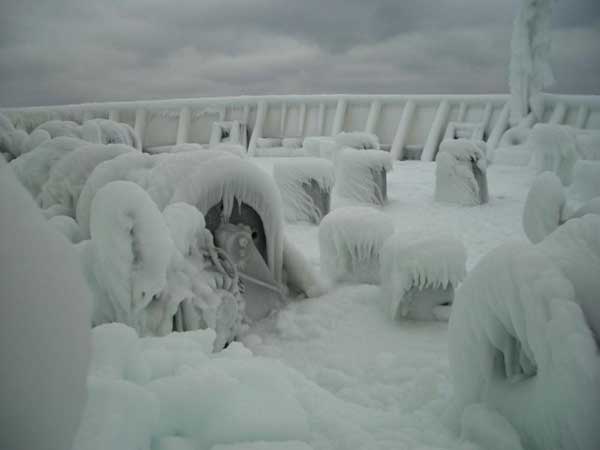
<point>460,175</point>
<point>349,243</point>
<point>418,276</point>
<point>305,185</point>
<point>361,175</point>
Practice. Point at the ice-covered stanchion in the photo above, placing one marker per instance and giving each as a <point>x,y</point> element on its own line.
<point>45,332</point>
<point>419,275</point>
<point>361,175</point>
<point>554,149</point>
<point>460,175</point>
<point>350,240</point>
<point>523,337</point>
<point>305,185</point>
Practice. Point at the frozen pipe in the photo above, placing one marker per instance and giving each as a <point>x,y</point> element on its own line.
<point>462,112</point>
<point>113,115</point>
<point>373,116</point>
<point>283,118</point>
<point>433,139</point>
<point>302,119</point>
<point>261,113</point>
<point>402,131</point>
<point>183,127</point>
<point>88,115</point>
<point>321,119</point>
<point>485,121</point>
<point>582,116</point>
<point>140,126</point>
<point>340,115</point>
<point>246,114</point>
<point>499,127</point>
<point>559,113</point>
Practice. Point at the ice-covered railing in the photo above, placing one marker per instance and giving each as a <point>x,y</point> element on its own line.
<point>405,124</point>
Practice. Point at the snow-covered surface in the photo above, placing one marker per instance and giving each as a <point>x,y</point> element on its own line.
<point>292,176</point>
<point>409,261</point>
<point>44,337</point>
<point>350,240</point>
<point>355,172</point>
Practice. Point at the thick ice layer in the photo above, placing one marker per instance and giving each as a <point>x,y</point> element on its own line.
<point>294,177</point>
<point>61,128</point>
<point>229,179</point>
<point>15,142</point>
<point>460,175</point>
<point>357,174</point>
<point>544,207</point>
<point>554,150</point>
<point>44,337</point>
<point>520,344</point>
<point>127,258</point>
<point>68,227</point>
<point>33,168</point>
<point>586,181</point>
<point>350,240</point>
<point>104,131</point>
<point>409,261</point>
<point>172,390</point>
<point>184,222</point>
<point>68,176</point>
<point>131,166</point>
<point>588,144</point>
<point>357,139</point>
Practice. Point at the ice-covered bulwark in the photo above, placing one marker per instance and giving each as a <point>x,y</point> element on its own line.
<point>305,185</point>
<point>127,258</point>
<point>521,344</point>
<point>419,274</point>
<point>460,175</point>
<point>554,149</point>
<point>45,332</point>
<point>361,175</point>
<point>350,240</point>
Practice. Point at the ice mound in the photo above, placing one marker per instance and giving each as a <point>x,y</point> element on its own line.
<point>33,168</point>
<point>319,146</point>
<point>305,185</point>
<point>126,260</point>
<point>360,175</point>
<point>357,139</point>
<point>68,227</point>
<point>45,332</point>
<point>460,175</point>
<point>520,343</point>
<point>350,240</point>
<point>419,274</point>
<point>588,144</point>
<point>14,142</point>
<point>554,149</point>
<point>174,392</point>
<point>544,208</point>
<point>68,176</point>
<point>586,181</point>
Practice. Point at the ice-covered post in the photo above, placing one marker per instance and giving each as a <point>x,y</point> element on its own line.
<point>529,68</point>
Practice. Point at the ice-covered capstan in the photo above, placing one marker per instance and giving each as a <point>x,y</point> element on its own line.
<point>127,258</point>
<point>530,70</point>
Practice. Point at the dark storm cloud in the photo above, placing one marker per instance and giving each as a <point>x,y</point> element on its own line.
<point>70,51</point>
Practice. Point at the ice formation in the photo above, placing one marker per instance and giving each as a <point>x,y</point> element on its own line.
<point>544,208</point>
<point>131,166</point>
<point>413,263</point>
<point>350,240</point>
<point>104,131</point>
<point>586,181</point>
<point>126,260</point>
<point>520,343</point>
<point>61,128</point>
<point>360,175</point>
<point>174,393</point>
<point>357,139</point>
<point>529,70</point>
<point>33,168</point>
<point>305,185</point>
<point>68,176</point>
<point>588,144</point>
<point>68,227</point>
<point>236,181</point>
<point>460,175</point>
<point>15,142</point>
<point>554,149</point>
<point>45,332</point>
<point>319,146</point>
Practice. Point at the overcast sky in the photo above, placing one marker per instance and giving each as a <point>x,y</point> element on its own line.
<point>71,51</point>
